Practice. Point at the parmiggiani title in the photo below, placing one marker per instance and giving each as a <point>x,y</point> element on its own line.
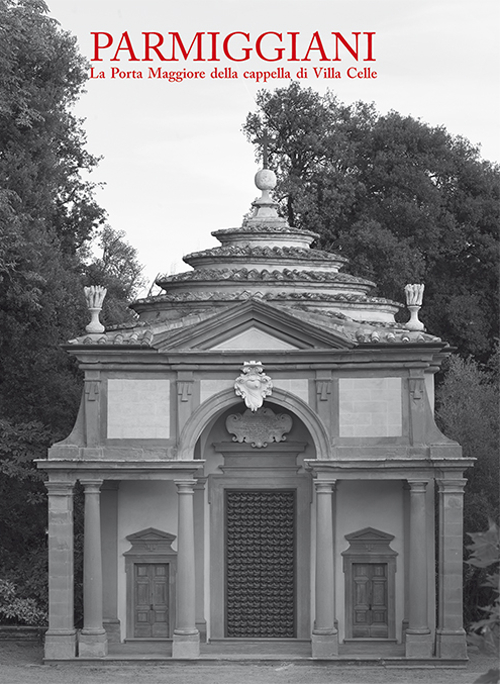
<point>237,46</point>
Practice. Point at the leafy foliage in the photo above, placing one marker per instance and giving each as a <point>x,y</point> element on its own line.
<point>14,609</point>
<point>467,411</point>
<point>405,202</point>
<point>485,633</point>
<point>23,503</point>
<point>48,218</point>
<point>117,269</point>
<point>46,212</point>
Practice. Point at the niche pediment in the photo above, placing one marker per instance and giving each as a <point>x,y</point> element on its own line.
<point>150,541</point>
<point>369,540</point>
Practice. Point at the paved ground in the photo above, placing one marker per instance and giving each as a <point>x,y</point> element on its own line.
<point>22,664</point>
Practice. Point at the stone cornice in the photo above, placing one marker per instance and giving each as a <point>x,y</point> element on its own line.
<point>220,275</point>
<point>284,253</point>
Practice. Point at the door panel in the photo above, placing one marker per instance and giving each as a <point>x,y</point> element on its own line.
<point>151,609</point>
<point>260,563</point>
<point>370,609</point>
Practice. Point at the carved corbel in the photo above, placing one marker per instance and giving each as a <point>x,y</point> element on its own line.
<point>92,388</point>
<point>184,389</point>
<point>323,389</point>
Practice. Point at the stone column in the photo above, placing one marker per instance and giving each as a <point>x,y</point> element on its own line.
<point>450,639</point>
<point>93,641</point>
<point>418,634</point>
<point>325,636</point>
<point>60,638</point>
<point>186,641</point>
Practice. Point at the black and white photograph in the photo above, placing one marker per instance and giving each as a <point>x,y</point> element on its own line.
<point>249,341</point>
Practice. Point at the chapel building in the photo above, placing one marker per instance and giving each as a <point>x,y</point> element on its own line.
<point>260,464</point>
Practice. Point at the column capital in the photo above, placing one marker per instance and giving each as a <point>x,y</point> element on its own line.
<point>417,486</point>
<point>325,486</point>
<point>59,488</point>
<point>91,486</point>
<point>185,486</point>
<point>451,485</point>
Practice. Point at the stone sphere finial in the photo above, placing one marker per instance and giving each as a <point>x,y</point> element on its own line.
<point>414,297</point>
<point>95,296</point>
<point>265,179</point>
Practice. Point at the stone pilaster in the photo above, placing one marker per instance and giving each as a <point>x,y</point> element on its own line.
<point>60,638</point>
<point>186,641</point>
<point>418,634</point>
<point>325,636</point>
<point>450,638</point>
<point>92,641</point>
<point>199,535</point>
<point>323,392</point>
<point>109,535</point>
<point>185,398</point>
<point>92,408</point>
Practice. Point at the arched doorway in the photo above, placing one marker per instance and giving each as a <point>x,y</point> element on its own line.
<point>258,525</point>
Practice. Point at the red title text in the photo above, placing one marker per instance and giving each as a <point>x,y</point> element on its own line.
<point>237,46</point>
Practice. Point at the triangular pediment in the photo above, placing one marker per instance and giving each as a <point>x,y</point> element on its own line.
<point>369,534</point>
<point>252,326</point>
<point>254,338</point>
<point>151,535</point>
<point>150,542</point>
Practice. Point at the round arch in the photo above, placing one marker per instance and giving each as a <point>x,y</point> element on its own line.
<point>218,403</point>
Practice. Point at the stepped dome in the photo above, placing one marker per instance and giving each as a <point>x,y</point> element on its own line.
<point>267,259</point>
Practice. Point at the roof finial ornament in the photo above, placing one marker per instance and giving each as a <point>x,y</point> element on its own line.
<point>414,296</point>
<point>265,179</point>
<point>263,141</point>
<point>95,296</point>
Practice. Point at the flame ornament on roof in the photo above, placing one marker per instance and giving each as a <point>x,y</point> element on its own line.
<point>95,296</point>
<point>414,297</point>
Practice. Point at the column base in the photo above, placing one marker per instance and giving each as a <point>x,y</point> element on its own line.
<point>112,627</point>
<point>201,626</point>
<point>92,644</point>
<point>325,645</point>
<point>60,645</point>
<point>418,645</point>
<point>451,644</point>
<point>186,645</point>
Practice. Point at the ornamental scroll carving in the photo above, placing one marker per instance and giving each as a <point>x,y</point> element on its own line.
<point>258,428</point>
<point>253,385</point>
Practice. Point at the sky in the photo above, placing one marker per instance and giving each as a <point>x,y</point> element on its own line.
<point>175,164</point>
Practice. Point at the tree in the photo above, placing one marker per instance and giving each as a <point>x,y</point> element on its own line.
<point>118,270</point>
<point>467,411</point>
<point>484,553</point>
<point>405,202</point>
<point>47,212</point>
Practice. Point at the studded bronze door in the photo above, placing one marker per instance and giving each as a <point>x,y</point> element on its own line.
<point>370,601</point>
<point>260,563</point>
